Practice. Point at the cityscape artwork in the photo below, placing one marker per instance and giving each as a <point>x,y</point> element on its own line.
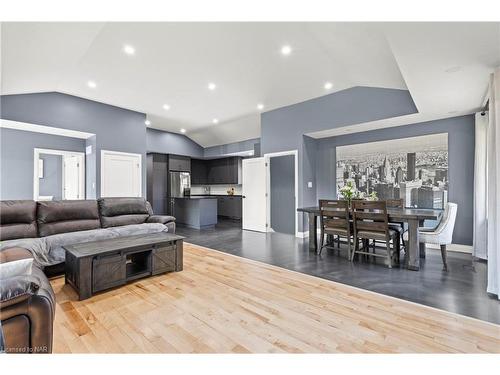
<point>414,169</point>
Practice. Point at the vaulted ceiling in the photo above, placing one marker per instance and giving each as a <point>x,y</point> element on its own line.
<point>445,66</point>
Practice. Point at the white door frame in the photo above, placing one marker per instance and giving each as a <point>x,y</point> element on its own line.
<point>267,157</point>
<point>36,157</point>
<point>109,152</point>
<point>263,213</point>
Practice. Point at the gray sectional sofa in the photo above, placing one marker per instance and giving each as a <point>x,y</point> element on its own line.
<point>38,230</point>
<point>45,227</point>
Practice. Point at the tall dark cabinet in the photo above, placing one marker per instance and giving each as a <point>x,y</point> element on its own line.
<point>157,182</point>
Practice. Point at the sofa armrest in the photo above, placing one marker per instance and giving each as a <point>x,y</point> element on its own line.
<point>20,299</point>
<point>17,289</point>
<point>14,253</point>
<point>162,219</point>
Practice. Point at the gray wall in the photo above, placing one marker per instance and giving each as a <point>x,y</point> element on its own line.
<point>51,183</point>
<point>171,143</point>
<point>460,132</point>
<point>116,129</point>
<point>16,159</point>
<point>283,129</point>
<point>282,186</point>
<point>231,148</point>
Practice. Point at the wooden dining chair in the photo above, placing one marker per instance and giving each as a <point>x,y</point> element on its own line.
<point>398,226</point>
<point>371,222</point>
<point>334,221</point>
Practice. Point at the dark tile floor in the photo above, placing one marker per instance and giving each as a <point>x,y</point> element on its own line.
<point>461,290</point>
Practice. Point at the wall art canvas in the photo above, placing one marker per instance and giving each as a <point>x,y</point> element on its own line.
<point>414,169</point>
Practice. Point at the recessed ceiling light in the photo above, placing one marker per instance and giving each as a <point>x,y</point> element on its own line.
<point>92,84</point>
<point>212,86</point>
<point>453,69</point>
<point>215,121</point>
<point>328,85</point>
<point>128,49</point>
<point>286,50</point>
<point>183,130</point>
<point>166,107</point>
<point>260,106</point>
<point>147,122</point>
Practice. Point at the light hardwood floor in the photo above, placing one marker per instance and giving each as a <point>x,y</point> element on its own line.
<point>226,304</point>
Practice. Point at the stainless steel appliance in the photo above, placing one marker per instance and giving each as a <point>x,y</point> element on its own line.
<point>180,186</point>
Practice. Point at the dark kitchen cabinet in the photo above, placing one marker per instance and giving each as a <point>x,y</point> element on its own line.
<point>217,171</point>
<point>157,182</point>
<point>179,163</point>
<point>199,172</point>
<point>223,171</point>
<point>229,206</point>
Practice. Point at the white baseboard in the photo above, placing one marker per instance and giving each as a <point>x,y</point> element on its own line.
<point>453,247</point>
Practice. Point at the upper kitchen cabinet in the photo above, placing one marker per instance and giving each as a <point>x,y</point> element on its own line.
<point>179,163</point>
<point>234,170</point>
<point>216,171</point>
<point>199,172</point>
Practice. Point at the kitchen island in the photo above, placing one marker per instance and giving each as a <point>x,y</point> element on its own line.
<point>199,212</point>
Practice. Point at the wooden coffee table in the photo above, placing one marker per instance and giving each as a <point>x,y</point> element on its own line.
<point>95,266</point>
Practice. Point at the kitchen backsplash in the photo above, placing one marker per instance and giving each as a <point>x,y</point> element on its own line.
<point>215,189</point>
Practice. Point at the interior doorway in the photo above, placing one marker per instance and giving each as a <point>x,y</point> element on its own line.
<point>58,175</point>
<point>282,192</point>
<point>254,194</point>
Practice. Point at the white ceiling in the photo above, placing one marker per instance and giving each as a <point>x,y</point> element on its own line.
<point>174,62</point>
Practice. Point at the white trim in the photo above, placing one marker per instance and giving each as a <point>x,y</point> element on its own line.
<point>25,126</point>
<point>295,153</point>
<point>36,179</point>
<point>109,152</point>
<point>302,234</point>
<point>453,247</point>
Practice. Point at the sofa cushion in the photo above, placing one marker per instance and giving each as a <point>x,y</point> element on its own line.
<point>17,219</point>
<point>20,267</point>
<point>122,211</point>
<point>55,217</point>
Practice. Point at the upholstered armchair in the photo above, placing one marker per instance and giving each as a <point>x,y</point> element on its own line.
<point>442,234</point>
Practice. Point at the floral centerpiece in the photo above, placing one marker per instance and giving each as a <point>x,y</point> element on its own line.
<point>348,192</point>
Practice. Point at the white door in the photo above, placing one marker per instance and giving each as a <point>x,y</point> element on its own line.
<point>72,176</point>
<point>121,174</point>
<point>254,193</point>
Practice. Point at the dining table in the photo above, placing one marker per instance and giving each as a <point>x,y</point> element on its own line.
<point>415,218</point>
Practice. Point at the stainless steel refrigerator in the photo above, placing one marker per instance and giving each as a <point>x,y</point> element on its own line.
<point>180,186</point>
